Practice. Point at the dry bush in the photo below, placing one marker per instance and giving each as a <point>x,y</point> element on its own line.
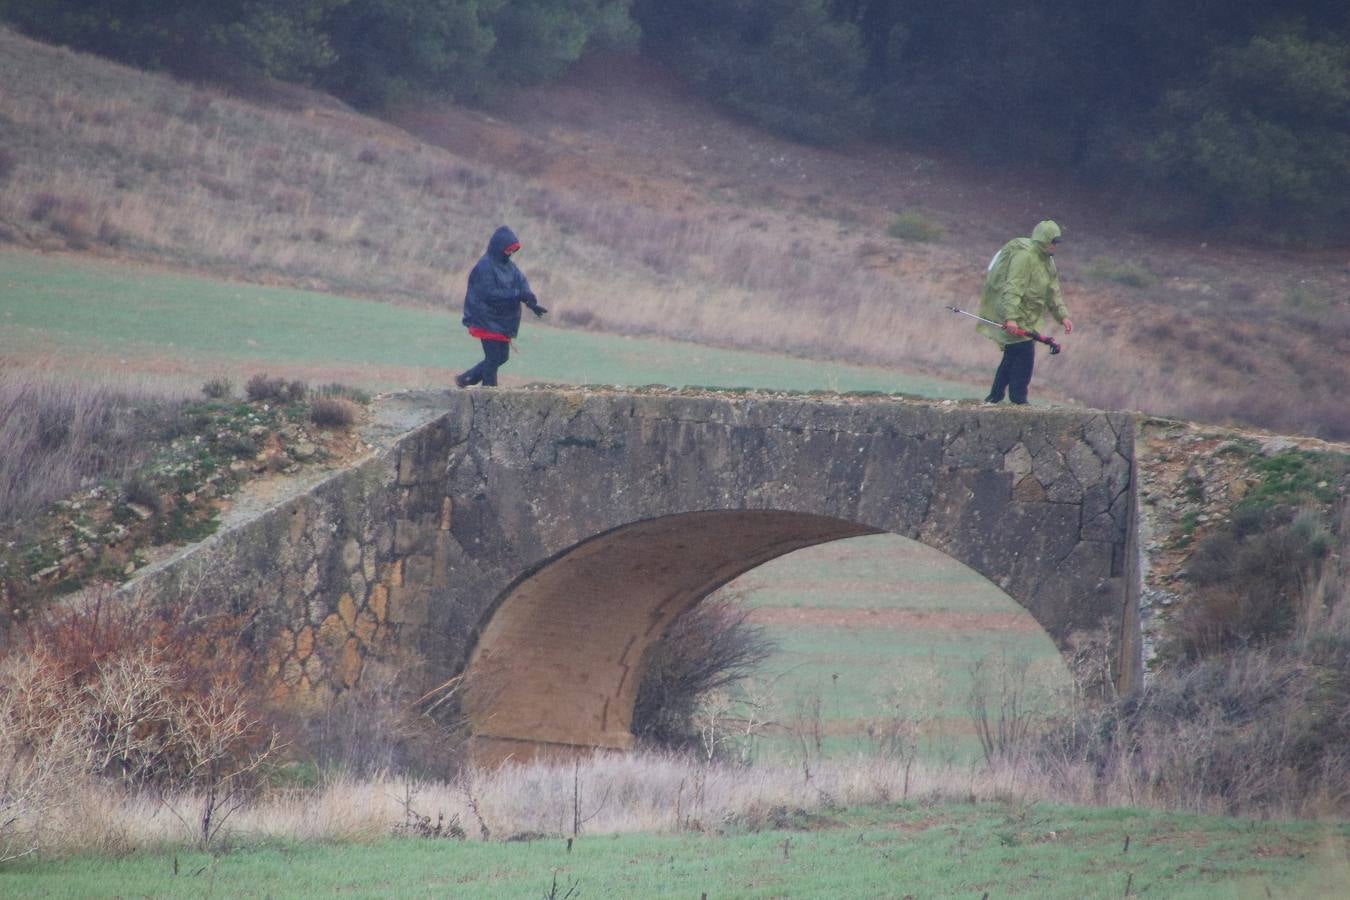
<point>1256,733</point>
<point>729,722</point>
<point>346,391</point>
<point>1251,578</point>
<point>42,756</point>
<point>332,412</point>
<point>1008,704</point>
<point>909,723</point>
<point>263,389</point>
<point>378,727</point>
<point>705,650</point>
<point>218,388</point>
<point>1237,729</point>
<point>138,699</point>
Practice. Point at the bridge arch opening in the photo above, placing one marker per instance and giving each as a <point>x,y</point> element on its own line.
<point>558,658</point>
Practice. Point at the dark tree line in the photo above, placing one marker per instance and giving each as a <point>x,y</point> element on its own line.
<point>370,51</point>
<point>1241,106</point>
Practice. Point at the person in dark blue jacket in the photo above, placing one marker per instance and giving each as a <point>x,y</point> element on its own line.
<point>492,306</point>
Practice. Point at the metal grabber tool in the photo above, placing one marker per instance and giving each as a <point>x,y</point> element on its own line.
<point>1034,335</point>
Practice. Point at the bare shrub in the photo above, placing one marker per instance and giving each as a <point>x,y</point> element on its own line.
<point>218,388</point>
<point>262,389</point>
<point>730,722</point>
<point>377,727</point>
<point>141,491</point>
<point>1104,268</point>
<point>220,187</point>
<point>907,708</point>
<point>1251,733</point>
<point>915,226</point>
<point>1249,578</point>
<point>40,752</point>
<point>416,824</point>
<point>706,649</point>
<point>159,701</point>
<point>70,217</point>
<point>1007,707</point>
<point>42,206</point>
<point>1244,730</point>
<point>332,412</point>
<point>59,433</point>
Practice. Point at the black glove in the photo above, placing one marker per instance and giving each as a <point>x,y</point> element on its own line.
<point>538,310</point>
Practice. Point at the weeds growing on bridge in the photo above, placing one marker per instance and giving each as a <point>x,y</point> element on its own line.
<point>92,476</point>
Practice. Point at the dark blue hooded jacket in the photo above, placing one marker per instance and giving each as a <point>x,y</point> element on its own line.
<point>497,288</point>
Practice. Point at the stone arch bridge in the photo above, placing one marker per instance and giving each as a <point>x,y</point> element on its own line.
<point>540,540</point>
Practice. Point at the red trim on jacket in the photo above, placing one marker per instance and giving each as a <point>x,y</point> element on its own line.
<point>485,335</point>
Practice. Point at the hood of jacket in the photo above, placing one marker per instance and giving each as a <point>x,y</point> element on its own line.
<point>1045,232</point>
<point>502,238</point>
<point>496,288</point>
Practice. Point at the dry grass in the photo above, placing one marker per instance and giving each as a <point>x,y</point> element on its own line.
<point>647,793</point>
<point>608,795</point>
<point>59,434</point>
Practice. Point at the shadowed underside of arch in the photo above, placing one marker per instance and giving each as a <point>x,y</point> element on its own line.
<point>557,666</point>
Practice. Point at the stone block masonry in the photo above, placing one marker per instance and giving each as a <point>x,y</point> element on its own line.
<point>541,539</point>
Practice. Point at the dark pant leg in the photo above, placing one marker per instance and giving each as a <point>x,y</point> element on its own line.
<point>495,355</point>
<point>1014,372</point>
<point>1000,385</point>
<point>1021,358</point>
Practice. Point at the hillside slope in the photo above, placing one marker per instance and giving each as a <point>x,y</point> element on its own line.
<point>643,210</point>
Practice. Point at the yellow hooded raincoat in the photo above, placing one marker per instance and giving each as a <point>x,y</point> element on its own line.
<point>1022,285</point>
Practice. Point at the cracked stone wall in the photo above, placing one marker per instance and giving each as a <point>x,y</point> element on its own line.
<point>404,559</point>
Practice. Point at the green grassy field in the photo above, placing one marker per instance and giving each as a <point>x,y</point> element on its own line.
<point>955,850</point>
<point>884,623</point>
<point>103,317</point>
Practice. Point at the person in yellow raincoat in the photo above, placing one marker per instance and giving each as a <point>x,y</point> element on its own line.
<point>1021,287</point>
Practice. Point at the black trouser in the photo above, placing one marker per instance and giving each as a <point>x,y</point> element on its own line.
<point>495,355</point>
<point>1014,372</point>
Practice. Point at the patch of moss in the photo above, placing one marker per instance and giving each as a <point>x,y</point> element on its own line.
<point>1296,478</point>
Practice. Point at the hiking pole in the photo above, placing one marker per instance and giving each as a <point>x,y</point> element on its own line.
<point>1034,335</point>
